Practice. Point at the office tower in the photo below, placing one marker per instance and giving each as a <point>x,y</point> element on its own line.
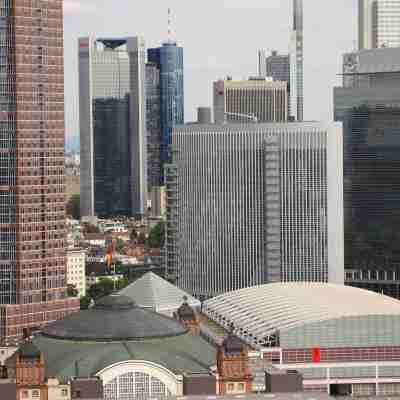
<point>254,203</point>
<point>378,23</point>
<point>369,106</point>
<point>278,67</point>
<point>296,63</point>
<point>262,66</point>
<point>153,121</point>
<point>255,99</point>
<point>32,175</point>
<point>112,126</point>
<point>169,60</point>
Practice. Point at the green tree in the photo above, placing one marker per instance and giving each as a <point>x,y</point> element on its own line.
<point>133,234</point>
<point>104,287</point>
<point>74,206</point>
<point>72,291</point>
<point>89,228</point>
<point>119,245</point>
<point>85,302</point>
<point>122,283</point>
<point>141,238</point>
<point>157,236</point>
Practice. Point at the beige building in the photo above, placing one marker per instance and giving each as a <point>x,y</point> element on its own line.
<point>76,270</point>
<point>158,201</point>
<point>258,99</point>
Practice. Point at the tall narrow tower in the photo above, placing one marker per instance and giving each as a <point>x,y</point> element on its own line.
<point>169,60</point>
<point>296,62</point>
<point>32,189</point>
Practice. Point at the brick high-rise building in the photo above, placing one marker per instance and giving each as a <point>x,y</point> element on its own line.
<point>32,190</point>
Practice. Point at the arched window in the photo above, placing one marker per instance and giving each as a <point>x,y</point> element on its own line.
<point>137,385</point>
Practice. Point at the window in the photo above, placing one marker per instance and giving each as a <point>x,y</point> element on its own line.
<point>35,394</point>
<point>231,387</point>
<point>25,394</point>
<point>64,392</point>
<point>241,387</point>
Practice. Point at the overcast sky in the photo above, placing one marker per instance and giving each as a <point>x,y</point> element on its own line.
<point>220,37</point>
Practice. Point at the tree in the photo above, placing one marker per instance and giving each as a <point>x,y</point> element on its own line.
<point>74,206</point>
<point>142,238</point>
<point>157,236</point>
<point>72,291</point>
<point>119,245</point>
<point>89,228</point>
<point>85,302</point>
<point>104,287</point>
<point>122,283</point>
<point>133,234</point>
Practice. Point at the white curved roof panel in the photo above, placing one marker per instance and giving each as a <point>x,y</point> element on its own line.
<point>261,311</point>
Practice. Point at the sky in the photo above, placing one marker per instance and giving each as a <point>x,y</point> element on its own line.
<point>220,38</point>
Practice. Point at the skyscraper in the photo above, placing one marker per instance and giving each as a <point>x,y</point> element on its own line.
<point>254,203</point>
<point>257,98</point>
<point>113,126</point>
<point>369,106</point>
<point>169,60</point>
<point>153,121</point>
<point>32,188</point>
<point>296,63</point>
<point>378,23</point>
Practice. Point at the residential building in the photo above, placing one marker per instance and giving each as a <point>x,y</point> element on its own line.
<point>113,126</point>
<point>296,63</point>
<point>378,23</point>
<point>254,203</point>
<point>32,172</point>
<point>255,99</point>
<point>369,106</point>
<point>76,260</point>
<point>169,60</point>
<point>153,120</point>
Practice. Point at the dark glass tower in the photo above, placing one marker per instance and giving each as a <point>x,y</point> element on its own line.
<point>368,104</point>
<point>169,59</point>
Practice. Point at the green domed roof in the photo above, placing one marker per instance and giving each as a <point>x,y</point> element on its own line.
<point>114,318</point>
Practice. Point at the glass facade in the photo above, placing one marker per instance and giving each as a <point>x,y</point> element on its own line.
<point>112,118</point>
<point>296,63</point>
<point>8,245</point>
<point>153,120</point>
<point>169,59</point>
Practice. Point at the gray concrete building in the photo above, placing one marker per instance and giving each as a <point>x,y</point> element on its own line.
<point>378,23</point>
<point>112,126</point>
<point>259,99</point>
<point>253,203</point>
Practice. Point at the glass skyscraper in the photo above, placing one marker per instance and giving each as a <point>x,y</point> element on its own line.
<point>112,127</point>
<point>369,106</point>
<point>296,63</point>
<point>169,59</point>
<point>153,120</point>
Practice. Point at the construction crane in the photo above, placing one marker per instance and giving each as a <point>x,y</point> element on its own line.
<point>248,116</point>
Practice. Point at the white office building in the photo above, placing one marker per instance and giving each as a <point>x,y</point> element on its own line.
<point>253,203</point>
<point>379,24</point>
<point>76,270</point>
<point>257,98</point>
